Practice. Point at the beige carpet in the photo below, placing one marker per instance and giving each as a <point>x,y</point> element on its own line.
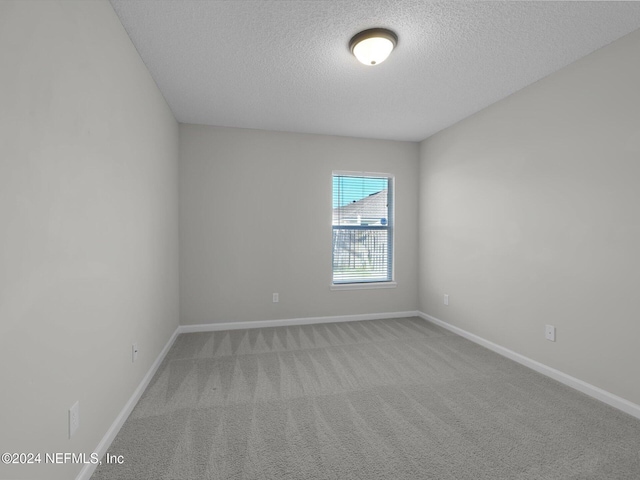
<point>384,399</point>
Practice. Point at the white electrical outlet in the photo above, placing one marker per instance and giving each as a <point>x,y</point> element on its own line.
<point>445,299</point>
<point>276,298</point>
<point>134,352</point>
<point>550,333</point>
<point>74,418</point>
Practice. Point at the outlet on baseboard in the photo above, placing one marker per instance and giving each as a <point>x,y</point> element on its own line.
<point>445,299</point>
<point>74,418</point>
<point>276,298</point>
<point>550,333</point>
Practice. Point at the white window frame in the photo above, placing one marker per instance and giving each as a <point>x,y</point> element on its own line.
<point>391,199</point>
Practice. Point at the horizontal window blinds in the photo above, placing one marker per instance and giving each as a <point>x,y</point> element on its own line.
<point>362,229</point>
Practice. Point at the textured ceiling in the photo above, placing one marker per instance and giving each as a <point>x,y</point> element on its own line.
<point>285,65</point>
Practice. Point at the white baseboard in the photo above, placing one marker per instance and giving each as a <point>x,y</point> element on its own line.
<point>104,444</point>
<point>584,387</point>
<point>214,327</point>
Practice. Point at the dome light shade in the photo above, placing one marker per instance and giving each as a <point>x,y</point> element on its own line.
<point>373,46</point>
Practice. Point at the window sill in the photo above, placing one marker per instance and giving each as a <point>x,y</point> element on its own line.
<point>362,286</point>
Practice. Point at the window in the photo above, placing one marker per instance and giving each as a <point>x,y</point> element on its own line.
<point>362,229</point>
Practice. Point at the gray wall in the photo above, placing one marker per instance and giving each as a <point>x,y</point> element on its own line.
<point>530,215</point>
<point>88,226</point>
<point>255,218</point>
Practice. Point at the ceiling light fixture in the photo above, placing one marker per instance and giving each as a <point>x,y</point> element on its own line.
<point>373,46</point>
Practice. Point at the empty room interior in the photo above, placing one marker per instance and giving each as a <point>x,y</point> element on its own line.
<point>319,239</point>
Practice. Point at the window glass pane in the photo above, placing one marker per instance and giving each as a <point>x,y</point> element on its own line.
<point>360,256</point>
